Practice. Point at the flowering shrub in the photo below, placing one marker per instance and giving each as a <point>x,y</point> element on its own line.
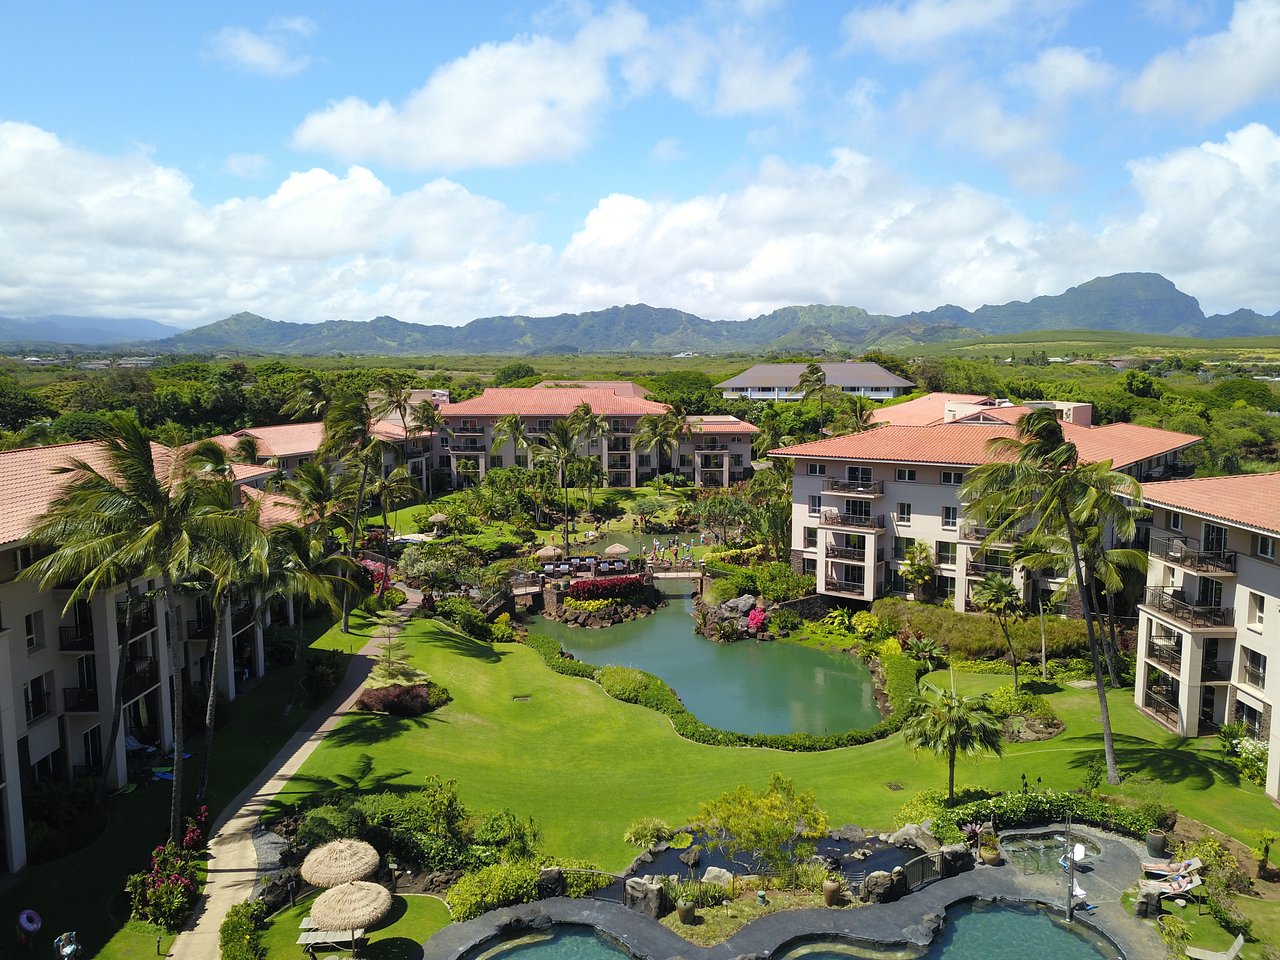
<point>1250,758</point>
<point>404,700</point>
<point>628,589</point>
<point>756,619</point>
<point>378,571</point>
<point>587,606</point>
<point>166,892</point>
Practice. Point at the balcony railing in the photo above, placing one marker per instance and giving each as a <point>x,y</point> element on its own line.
<point>980,568</point>
<point>241,618</point>
<point>710,445</point>
<point>1253,676</point>
<point>1215,670</point>
<point>1187,553</point>
<point>858,554</point>
<point>469,447</point>
<point>859,521</point>
<point>199,629</point>
<point>847,587</point>
<point>1167,655</point>
<point>80,699</point>
<point>141,674</point>
<point>868,488</point>
<point>712,463</point>
<point>76,639</point>
<point>620,445</point>
<point>142,619</point>
<point>977,533</point>
<point>619,463</point>
<point>467,431</point>
<point>1196,615</point>
<point>1161,707</point>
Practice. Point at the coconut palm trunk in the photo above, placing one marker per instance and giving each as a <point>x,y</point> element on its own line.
<point>176,680</point>
<point>117,706</point>
<point>351,546</point>
<point>220,612</point>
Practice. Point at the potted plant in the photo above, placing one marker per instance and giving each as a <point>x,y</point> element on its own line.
<point>832,890</point>
<point>686,911</point>
<point>989,849</point>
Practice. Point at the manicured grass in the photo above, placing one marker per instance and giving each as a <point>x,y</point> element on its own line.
<point>412,920</point>
<point>586,766</point>
<point>1206,934</point>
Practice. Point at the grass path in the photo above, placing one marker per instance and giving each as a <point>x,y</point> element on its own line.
<point>586,766</point>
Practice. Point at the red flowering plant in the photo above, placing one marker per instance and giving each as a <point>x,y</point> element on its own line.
<point>756,619</point>
<point>166,893</point>
<point>618,589</point>
<point>378,572</point>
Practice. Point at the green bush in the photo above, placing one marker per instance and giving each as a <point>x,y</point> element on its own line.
<point>497,885</point>
<point>978,637</point>
<point>581,884</point>
<point>552,654</point>
<point>774,581</point>
<point>501,631</point>
<point>464,615</point>
<point>324,671</point>
<point>625,683</point>
<point>588,606</point>
<point>701,895</point>
<point>240,936</point>
<point>784,619</point>
<point>1003,702</point>
<point>647,831</point>
<point>330,822</point>
<point>1039,807</point>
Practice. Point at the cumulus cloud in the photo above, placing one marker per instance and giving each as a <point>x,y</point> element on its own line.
<point>1061,74</point>
<point>124,236</point>
<point>270,52</point>
<point>1214,76</point>
<point>910,29</point>
<point>249,166</point>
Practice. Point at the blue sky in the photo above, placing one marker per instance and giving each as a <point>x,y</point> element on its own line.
<point>439,162</point>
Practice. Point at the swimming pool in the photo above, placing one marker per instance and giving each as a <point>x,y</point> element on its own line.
<point>561,942</point>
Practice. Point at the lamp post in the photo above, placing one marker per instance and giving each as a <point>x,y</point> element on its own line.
<point>1071,871</point>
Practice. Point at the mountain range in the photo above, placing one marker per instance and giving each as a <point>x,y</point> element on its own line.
<point>1132,302</point>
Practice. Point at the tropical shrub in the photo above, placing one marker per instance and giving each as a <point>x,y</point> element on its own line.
<point>501,631</point>
<point>324,671</point>
<point>971,637</point>
<point>391,598</point>
<point>628,589</point>
<point>497,885</point>
<point>328,822</point>
<point>464,615</point>
<point>756,619</point>
<point>165,894</point>
<point>784,619</point>
<point>1039,807</point>
<point>702,895</point>
<point>278,644</point>
<point>378,572</point>
<point>646,832</point>
<point>588,606</point>
<point>240,936</point>
<point>555,657</point>
<point>1004,702</point>
<point>404,700</point>
<point>774,581</point>
<point>581,884</point>
<point>625,683</point>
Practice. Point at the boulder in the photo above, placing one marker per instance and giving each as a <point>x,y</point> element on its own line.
<point>956,858</point>
<point>550,883</point>
<point>644,894</point>
<point>741,606</point>
<point>849,832</point>
<point>691,857</point>
<point>915,835</point>
<point>876,887</point>
<point>717,875</point>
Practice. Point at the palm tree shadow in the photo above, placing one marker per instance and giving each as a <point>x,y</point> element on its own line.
<point>1169,763</point>
<point>446,638</point>
<point>367,729</point>
<point>361,779</point>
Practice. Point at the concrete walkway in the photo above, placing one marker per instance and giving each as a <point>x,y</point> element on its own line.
<point>233,861</point>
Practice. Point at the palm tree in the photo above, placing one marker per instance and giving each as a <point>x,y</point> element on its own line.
<point>1036,479</point>
<point>426,418</point>
<point>395,399</point>
<point>947,724</point>
<point>592,426</point>
<point>813,383</point>
<point>318,492</point>
<point>663,432</point>
<point>310,399</point>
<point>509,429</point>
<point>558,450</point>
<point>395,488</point>
<point>852,415</point>
<point>999,596</point>
<point>146,514</point>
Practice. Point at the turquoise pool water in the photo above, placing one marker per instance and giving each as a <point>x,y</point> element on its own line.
<point>747,687</point>
<point>561,943</point>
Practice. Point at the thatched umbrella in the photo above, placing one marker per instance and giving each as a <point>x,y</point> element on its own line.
<point>438,518</point>
<point>352,906</point>
<point>549,552</point>
<point>339,862</point>
<point>617,549</point>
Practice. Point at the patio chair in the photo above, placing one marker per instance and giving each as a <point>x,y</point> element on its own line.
<point>1079,855</point>
<point>1233,951</point>
<point>1178,886</point>
<point>1173,868</point>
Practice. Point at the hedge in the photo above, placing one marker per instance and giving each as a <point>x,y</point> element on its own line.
<point>498,885</point>
<point>1039,807</point>
<point>636,686</point>
<point>627,589</point>
<point>978,637</point>
<point>240,936</point>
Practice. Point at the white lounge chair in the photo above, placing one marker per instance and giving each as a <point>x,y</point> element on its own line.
<point>1233,951</point>
<point>1079,855</point>
<point>1173,868</point>
<point>1176,887</point>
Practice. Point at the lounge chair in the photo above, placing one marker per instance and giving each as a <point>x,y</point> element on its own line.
<point>1171,888</point>
<point>1079,855</point>
<point>1233,951</point>
<point>1173,868</point>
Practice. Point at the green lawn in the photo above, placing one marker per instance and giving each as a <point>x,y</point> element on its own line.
<point>84,891</point>
<point>412,920</point>
<point>1206,934</point>
<point>585,765</point>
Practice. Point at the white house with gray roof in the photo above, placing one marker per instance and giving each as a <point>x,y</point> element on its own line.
<point>777,381</point>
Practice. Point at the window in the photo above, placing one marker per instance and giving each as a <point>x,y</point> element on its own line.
<point>906,475</point>
<point>544,426</point>
<point>950,517</point>
<point>1251,718</point>
<point>810,566</point>
<point>946,552</point>
<point>944,586</point>
<point>36,696</point>
<point>33,624</point>
<point>23,557</point>
<point>904,513</point>
<point>952,478</point>
<point>495,463</point>
<point>1174,519</point>
<point>1266,548</point>
<point>735,459</point>
<point>645,460</point>
<point>1254,668</point>
<point>522,460</point>
<point>900,547</point>
<point>817,469</point>
<point>859,475</point>
<point>1257,610</point>
<point>686,461</point>
<point>810,536</point>
<point>1214,539</point>
<point>815,505</point>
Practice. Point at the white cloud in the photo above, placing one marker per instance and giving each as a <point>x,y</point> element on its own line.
<point>1061,74</point>
<point>270,52</point>
<point>1183,14</point>
<point>1214,76</point>
<point>906,30</point>
<point>249,166</point>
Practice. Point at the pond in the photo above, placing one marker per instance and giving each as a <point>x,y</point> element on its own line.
<point>746,687</point>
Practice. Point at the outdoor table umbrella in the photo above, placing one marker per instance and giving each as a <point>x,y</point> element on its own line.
<point>339,862</point>
<point>351,906</point>
<point>437,519</point>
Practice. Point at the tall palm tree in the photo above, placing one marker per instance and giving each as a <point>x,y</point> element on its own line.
<point>558,450</point>
<point>318,493</point>
<point>592,426</point>
<point>509,429</point>
<point>426,418</point>
<point>396,487</point>
<point>813,383</point>
<point>145,514</point>
<point>949,725</point>
<point>663,433</point>
<point>852,414</point>
<point>310,399</point>
<point>1036,480</point>
<point>999,596</point>
<point>395,399</point>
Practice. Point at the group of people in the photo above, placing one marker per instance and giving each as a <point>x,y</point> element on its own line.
<point>674,551</point>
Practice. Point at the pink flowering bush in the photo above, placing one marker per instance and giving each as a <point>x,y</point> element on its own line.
<point>628,589</point>
<point>756,620</point>
<point>378,572</point>
<point>166,893</point>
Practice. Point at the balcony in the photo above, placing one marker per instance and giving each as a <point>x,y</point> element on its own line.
<point>712,463</point>
<point>470,446</point>
<point>855,488</point>
<point>80,699</point>
<point>711,445</point>
<point>1253,676</point>
<point>1192,614</point>
<point>619,446</point>
<point>847,588</point>
<point>241,618</point>
<point>1187,553</point>
<point>199,629</point>
<point>467,431</point>
<point>1167,655</point>
<point>1215,671</point>
<point>977,533</point>
<point>77,638</point>
<point>619,463</point>
<point>980,568</point>
<point>856,521</point>
<point>1162,708</point>
<point>141,674</point>
<point>142,620</point>
<point>856,554</point>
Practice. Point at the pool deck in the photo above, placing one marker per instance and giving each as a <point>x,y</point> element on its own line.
<point>913,920</point>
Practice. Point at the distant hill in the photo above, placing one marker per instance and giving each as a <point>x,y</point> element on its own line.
<point>1137,303</point>
<point>81,331</point>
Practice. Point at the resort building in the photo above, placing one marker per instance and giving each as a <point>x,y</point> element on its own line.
<point>714,452</point>
<point>778,381</point>
<point>58,669</point>
<point>1209,622</point>
<point>861,501</point>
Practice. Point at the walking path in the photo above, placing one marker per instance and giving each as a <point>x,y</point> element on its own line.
<point>233,860</point>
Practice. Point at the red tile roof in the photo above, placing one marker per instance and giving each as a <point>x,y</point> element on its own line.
<point>1250,500</point>
<point>720,424</point>
<point>543,402</point>
<point>931,408</point>
<point>965,444</point>
<point>285,439</point>
<point>623,388</point>
<point>273,508</point>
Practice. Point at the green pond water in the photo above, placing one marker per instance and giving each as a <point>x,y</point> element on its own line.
<point>747,687</point>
